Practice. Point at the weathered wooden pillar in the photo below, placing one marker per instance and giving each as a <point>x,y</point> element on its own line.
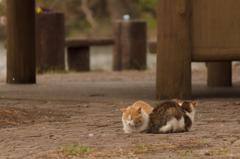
<point>117,53</point>
<point>173,49</point>
<point>130,45</point>
<point>219,74</point>
<point>79,58</point>
<point>50,41</point>
<point>21,42</point>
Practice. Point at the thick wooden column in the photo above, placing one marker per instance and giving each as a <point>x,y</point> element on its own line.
<point>219,74</point>
<point>173,49</point>
<point>21,41</point>
<point>130,45</point>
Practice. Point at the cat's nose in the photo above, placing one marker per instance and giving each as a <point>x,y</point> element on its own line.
<point>129,123</point>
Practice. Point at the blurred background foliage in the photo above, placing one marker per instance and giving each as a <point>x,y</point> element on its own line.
<point>101,12</point>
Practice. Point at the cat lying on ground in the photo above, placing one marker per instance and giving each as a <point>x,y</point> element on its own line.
<point>172,116</point>
<point>135,118</point>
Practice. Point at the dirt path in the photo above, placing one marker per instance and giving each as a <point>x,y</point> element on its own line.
<point>98,127</point>
<point>59,129</point>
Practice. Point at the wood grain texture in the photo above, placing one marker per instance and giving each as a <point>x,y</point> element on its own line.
<point>219,74</point>
<point>138,34</point>
<point>215,28</point>
<point>125,44</point>
<point>21,64</point>
<point>173,50</point>
<point>50,40</point>
<point>215,54</point>
<point>117,49</point>
<point>79,58</point>
<point>207,54</point>
<point>215,24</point>
<point>130,44</point>
<point>78,42</point>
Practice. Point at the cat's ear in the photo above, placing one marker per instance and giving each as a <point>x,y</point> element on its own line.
<point>194,103</point>
<point>179,101</point>
<point>139,110</point>
<point>123,110</point>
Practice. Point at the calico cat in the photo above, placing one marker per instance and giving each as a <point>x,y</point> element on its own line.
<point>172,116</point>
<point>135,118</point>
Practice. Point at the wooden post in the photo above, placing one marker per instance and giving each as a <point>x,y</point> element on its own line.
<point>219,74</point>
<point>50,41</point>
<point>173,49</point>
<point>130,45</point>
<point>21,42</point>
<point>117,49</point>
<point>79,58</point>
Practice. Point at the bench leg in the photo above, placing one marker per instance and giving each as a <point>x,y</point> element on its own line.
<point>79,58</point>
<point>219,74</point>
<point>174,50</point>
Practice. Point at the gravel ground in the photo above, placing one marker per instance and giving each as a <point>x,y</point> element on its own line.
<point>33,128</point>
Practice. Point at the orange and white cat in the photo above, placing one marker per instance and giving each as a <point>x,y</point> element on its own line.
<point>135,118</point>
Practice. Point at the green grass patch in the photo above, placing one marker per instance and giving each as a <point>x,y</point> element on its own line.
<point>75,150</point>
<point>138,146</point>
<point>161,137</point>
<point>199,143</point>
<point>149,147</point>
<point>233,140</point>
<point>184,153</point>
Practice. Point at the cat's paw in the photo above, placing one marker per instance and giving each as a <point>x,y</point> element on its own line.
<point>145,131</point>
<point>127,131</point>
<point>169,131</point>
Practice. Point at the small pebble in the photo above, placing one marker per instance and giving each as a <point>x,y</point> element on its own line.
<point>85,106</point>
<point>90,135</point>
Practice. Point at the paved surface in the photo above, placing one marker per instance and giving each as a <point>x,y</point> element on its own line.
<point>110,86</point>
<point>84,108</point>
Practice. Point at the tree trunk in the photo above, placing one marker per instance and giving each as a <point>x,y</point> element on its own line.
<point>115,8</point>
<point>88,13</point>
<point>21,41</point>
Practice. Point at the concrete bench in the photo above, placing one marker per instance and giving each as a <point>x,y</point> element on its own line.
<point>78,51</point>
